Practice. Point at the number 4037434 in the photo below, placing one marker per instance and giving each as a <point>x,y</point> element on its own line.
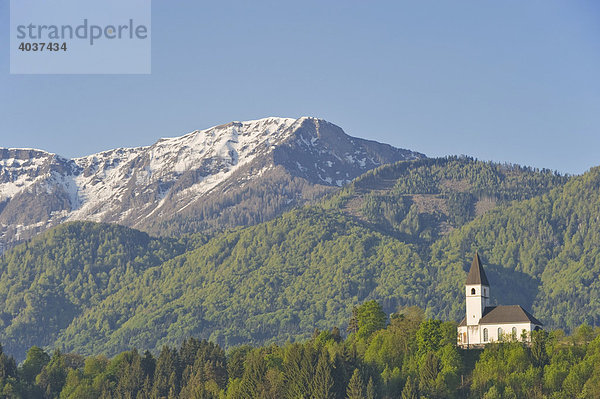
<point>43,46</point>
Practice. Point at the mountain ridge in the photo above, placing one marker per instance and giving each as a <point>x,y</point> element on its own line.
<point>141,186</point>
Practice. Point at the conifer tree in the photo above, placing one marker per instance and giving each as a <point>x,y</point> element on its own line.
<point>353,323</point>
<point>356,387</point>
<point>371,389</point>
<point>410,390</point>
<point>322,383</point>
<point>165,375</point>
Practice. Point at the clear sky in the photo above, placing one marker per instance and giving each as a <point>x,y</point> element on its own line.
<point>512,80</point>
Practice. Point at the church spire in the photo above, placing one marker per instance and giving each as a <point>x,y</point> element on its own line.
<point>476,274</point>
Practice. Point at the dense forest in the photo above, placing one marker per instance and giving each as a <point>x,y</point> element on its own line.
<point>408,357</point>
<point>403,234</point>
<point>422,200</point>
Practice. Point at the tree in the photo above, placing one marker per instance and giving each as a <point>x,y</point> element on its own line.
<point>429,336</point>
<point>538,348</point>
<point>235,361</point>
<point>8,367</point>
<point>165,375</point>
<point>492,393</point>
<point>584,333</point>
<point>34,363</point>
<point>53,376</point>
<point>428,373</point>
<point>356,387</point>
<point>253,382</point>
<point>410,390</point>
<point>322,383</point>
<point>371,389</point>
<point>371,318</point>
<point>353,322</point>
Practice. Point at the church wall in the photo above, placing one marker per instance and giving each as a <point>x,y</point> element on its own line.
<point>506,330</point>
<point>475,334</point>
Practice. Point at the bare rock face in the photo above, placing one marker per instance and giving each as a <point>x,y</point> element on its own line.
<point>239,173</point>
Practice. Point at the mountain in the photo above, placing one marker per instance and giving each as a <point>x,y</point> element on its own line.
<point>240,173</point>
<point>280,279</point>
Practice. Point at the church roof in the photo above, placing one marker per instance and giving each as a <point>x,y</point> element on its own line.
<point>476,274</point>
<point>505,315</point>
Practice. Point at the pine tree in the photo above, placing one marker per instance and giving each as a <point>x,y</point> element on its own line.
<point>410,390</point>
<point>356,387</point>
<point>371,389</point>
<point>353,323</point>
<point>253,381</point>
<point>165,375</point>
<point>322,383</point>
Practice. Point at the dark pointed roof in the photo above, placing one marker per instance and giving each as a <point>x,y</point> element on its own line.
<point>476,274</point>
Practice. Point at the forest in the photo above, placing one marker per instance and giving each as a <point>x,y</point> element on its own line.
<point>93,288</point>
<point>404,356</point>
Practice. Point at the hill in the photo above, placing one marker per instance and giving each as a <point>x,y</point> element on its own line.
<point>280,279</point>
<point>48,281</point>
<point>423,200</point>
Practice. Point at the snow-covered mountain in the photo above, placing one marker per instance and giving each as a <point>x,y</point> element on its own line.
<point>234,174</point>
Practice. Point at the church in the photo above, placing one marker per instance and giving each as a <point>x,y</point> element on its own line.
<point>484,323</point>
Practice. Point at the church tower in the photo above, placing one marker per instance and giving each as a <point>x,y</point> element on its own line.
<point>477,291</point>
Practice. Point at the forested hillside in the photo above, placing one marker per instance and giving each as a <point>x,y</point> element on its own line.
<point>543,253</point>
<point>537,234</point>
<point>268,283</point>
<point>408,357</point>
<point>422,200</point>
<point>48,281</point>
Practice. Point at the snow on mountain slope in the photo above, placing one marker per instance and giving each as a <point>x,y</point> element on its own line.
<point>136,186</point>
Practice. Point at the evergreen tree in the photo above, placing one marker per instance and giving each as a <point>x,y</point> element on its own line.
<point>371,389</point>
<point>410,390</point>
<point>538,348</point>
<point>253,381</point>
<point>428,373</point>
<point>165,375</point>
<point>322,383</point>
<point>353,322</point>
<point>356,386</point>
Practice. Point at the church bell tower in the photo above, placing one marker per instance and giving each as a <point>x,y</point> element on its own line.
<point>477,291</point>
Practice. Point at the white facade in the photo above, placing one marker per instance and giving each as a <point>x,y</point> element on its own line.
<point>484,323</point>
<point>482,334</point>
<point>478,298</point>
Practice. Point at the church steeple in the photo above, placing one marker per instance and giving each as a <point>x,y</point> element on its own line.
<point>477,291</point>
<point>477,274</point>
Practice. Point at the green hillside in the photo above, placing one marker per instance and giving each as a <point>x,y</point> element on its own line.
<point>421,201</point>
<point>51,279</point>
<point>543,253</point>
<point>277,281</point>
<point>271,282</point>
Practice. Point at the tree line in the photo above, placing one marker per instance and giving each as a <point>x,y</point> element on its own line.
<point>404,356</point>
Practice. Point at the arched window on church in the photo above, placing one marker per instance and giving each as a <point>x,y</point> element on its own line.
<point>485,335</point>
<point>499,333</point>
<point>514,333</point>
<point>472,291</point>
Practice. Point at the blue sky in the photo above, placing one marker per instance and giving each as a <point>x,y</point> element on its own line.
<point>506,81</point>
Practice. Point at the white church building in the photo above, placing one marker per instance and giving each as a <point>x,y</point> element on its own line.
<point>484,323</point>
